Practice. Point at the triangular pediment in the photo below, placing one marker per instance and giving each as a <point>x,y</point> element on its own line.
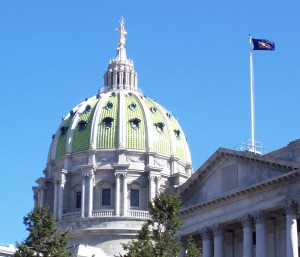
<point>228,171</point>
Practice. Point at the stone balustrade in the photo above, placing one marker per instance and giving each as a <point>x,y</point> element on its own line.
<point>104,213</point>
<point>138,214</point>
<point>71,215</point>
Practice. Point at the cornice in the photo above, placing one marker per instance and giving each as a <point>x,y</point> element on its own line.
<point>223,154</point>
<point>235,195</point>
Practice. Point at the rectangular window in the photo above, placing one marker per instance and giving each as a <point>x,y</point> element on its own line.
<point>134,197</point>
<point>106,197</point>
<point>78,200</point>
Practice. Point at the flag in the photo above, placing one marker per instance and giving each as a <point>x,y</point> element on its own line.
<point>263,44</point>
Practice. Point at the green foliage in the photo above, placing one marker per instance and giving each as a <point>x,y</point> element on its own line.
<point>192,249</point>
<point>43,239</point>
<point>157,237</point>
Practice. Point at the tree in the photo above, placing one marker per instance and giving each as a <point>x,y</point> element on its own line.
<point>157,237</point>
<point>43,239</point>
<point>192,249</point>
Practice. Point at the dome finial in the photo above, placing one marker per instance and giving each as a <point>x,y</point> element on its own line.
<point>123,32</point>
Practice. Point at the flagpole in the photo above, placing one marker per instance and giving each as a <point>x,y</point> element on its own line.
<point>252,96</point>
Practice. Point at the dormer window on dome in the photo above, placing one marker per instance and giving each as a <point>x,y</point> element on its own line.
<point>177,133</point>
<point>109,106</point>
<point>88,108</point>
<point>153,109</point>
<point>133,106</point>
<point>135,123</point>
<point>107,122</point>
<point>63,130</point>
<point>82,125</point>
<point>159,127</point>
<point>169,115</point>
<point>72,113</point>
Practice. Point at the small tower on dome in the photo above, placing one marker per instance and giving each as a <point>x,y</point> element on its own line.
<point>120,74</point>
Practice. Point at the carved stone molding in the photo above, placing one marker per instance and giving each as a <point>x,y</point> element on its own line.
<point>154,178</point>
<point>205,233</point>
<point>247,221</point>
<point>217,230</point>
<point>135,158</point>
<point>121,174</point>
<point>259,217</point>
<point>60,177</point>
<point>290,207</point>
<point>297,202</point>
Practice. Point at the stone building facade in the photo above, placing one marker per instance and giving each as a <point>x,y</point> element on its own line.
<point>110,156</point>
<point>245,204</point>
<point>114,151</point>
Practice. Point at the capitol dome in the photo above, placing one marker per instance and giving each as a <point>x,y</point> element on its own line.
<point>120,117</point>
<point>110,156</point>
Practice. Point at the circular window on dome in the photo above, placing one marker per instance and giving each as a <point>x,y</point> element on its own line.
<point>153,109</point>
<point>159,127</point>
<point>135,123</point>
<point>132,106</point>
<point>88,108</point>
<point>177,133</point>
<point>107,122</point>
<point>63,130</point>
<point>72,113</point>
<point>109,106</point>
<point>82,125</point>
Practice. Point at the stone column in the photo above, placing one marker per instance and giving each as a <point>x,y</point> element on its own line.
<point>151,187</point>
<point>259,219</point>
<point>41,188</point>
<point>218,240</point>
<point>121,171</point>
<point>125,207</point>
<point>291,230</point>
<point>55,198</point>
<point>117,195</point>
<point>206,242</point>
<point>91,180</point>
<point>183,249</point>
<point>61,186</point>
<point>83,178</point>
<point>247,236</point>
<point>60,181</point>
<point>87,193</point>
<point>157,184</point>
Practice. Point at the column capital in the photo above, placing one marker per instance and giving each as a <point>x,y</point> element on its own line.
<point>121,167</point>
<point>205,233</point>
<point>60,176</point>
<point>247,221</point>
<point>154,177</point>
<point>290,207</point>
<point>297,202</point>
<point>122,174</point>
<point>87,170</point>
<point>217,230</point>
<point>259,217</point>
<point>41,183</point>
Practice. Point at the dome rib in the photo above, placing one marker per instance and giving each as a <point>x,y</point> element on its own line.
<point>107,137</point>
<point>82,129</point>
<point>122,129</point>
<point>136,137</point>
<point>148,134</point>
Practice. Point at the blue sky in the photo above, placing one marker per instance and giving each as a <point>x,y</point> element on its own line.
<point>192,57</point>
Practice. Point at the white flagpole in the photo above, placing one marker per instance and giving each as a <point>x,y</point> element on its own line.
<point>252,96</point>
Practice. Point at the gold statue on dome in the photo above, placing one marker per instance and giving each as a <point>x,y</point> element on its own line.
<point>123,32</point>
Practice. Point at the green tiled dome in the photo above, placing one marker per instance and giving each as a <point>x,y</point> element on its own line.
<point>120,118</point>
